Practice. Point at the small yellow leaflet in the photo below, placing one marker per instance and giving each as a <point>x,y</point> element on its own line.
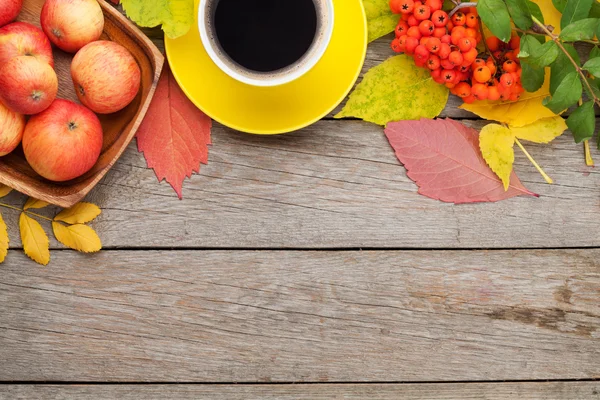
<point>3,240</point>
<point>80,213</point>
<point>77,237</point>
<point>543,131</point>
<point>4,190</point>
<point>35,240</point>
<point>496,144</point>
<point>32,203</point>
<point>176,16</point>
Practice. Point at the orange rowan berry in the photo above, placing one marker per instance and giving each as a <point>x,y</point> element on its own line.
<point>472,20</point>
<point>448,75</point>
<point>449,25</point>
<point>421,53</point>
<point>463,89</point>
<point>396,6</point>
<point>434,5</point>
<point>457,34</point>
<point>446,64</point>
<point>422,12</point>
<point>407,6</point>
<point>515,42</point>
<point>509,66</point>
<point>493,43</point>
<point>458,19</point>
<point>426,28</point>
<point>433,45</point>
<point>465,44</point>
<point>479,62</point>
<point>396,46</point>
<point>480,91</point>
<point>436,73</point>
<point>456,58</point>
<point>439,18</point>
<point>482,74</point>
<point>450,85</point>
<point>514,97</point>
<point>412,21</point>
<point>424,40</point>
<point>510,56</point>
<point>469,99</point>
<point>491,65</point>
<point>439,32</point>
<point>411,44</point>
<point>470,55</point>
<point>446,39</point>
<point>507,80</point>
<point>433,62</point>
<point>401,28</point>
<point>493,93</point>
<point>414,31</point>
<point>470,32</point>
<point>444,51</point>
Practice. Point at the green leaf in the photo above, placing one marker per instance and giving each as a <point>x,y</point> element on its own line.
<point>176,16</point>
<point>595,52</point>
<point>581,30</point>
<point>568,93</point>
<point>396,90</point>
<point>535,11</point>
<point>532,79</point>
<point>575,10</point>
<point>562,67</point>
<point>494,15</point>
<point>544,55</point>
<point>582,122</point>
<point>519,11</point>
<point>593,66</point>
<point>595,11</point>
<point>560,5</point>
<point>380,19</point>
<point>529,46</point>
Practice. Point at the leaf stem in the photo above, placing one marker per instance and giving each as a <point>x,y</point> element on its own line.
<point>535,164</point>
<point>589,161</point>
<point>25,211</point>
<point>556,40</point>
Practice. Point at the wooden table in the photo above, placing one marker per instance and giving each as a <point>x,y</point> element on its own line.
<point>306,266</point>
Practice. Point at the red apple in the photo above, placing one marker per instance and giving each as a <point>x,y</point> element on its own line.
<point>9,9</point>
<point>23,39</point>
<point>27,85</point>
<point>71,24</point>
<point>63,142</point>
<point>106,76</point>
<point>11,129</point>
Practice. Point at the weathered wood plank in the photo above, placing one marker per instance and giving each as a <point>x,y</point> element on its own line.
<point>237,316</point>
<point>336,184</point>
<point>444,391</point>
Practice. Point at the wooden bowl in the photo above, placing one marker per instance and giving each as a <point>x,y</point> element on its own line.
<point>119,128</point>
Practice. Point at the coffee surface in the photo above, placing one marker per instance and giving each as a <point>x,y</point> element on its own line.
<point>265,35</point>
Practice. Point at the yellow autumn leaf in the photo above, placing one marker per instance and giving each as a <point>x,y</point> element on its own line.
<point>176,16</point>
<point>4,190</point>
<point>396,90</point>
<point>35,240</point>
<point>543,131</point>
<point>32,203</point>
<point>525,111</point>
<point>380,19</point>
<point>77,237</point>
<point>80,213</point>
<point>3,240</point>
<point>496,144</point>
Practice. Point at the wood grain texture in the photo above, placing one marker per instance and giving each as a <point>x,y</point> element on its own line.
<point>263,316</point>
<point>444,391</point>
<point>337,184</point>
<point>118,128</point>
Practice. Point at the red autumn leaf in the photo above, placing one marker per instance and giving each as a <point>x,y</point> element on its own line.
<point>443,158</point>
<point>116,1</point>
<point>175,135</point>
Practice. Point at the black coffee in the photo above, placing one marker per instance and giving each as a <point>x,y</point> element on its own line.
<point>265,35</point>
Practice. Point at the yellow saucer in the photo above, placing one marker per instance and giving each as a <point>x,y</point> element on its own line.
<point>279,109</point>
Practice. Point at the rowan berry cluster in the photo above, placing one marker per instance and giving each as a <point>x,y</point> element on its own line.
<point>447,46</point>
